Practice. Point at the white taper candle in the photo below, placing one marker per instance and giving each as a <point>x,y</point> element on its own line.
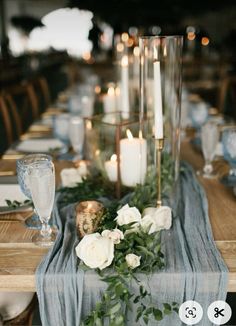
<point>158,115</point>
<point>125,87</point>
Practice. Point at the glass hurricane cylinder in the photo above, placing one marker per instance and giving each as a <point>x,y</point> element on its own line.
<point>160,99</point>
<point>116,149</point>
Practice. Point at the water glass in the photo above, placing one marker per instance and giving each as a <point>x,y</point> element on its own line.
<point>76,135</point>
<point>22,166</point>
<point>198,114</point>
<point>41,177</point>
<point>75,105</point>
<point>209,140</point>
<point>229,152</point>
<point>61,127</point>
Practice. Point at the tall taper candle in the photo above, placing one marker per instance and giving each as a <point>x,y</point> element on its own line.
<point>158,115</point>
<point>125,87</point>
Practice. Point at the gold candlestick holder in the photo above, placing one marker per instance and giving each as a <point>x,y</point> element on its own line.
<point>159,147</point>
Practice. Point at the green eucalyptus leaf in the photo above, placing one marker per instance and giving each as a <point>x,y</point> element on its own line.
<point>157,314</point>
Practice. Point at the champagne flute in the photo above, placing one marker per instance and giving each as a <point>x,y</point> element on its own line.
<point>76,134</point>
<point>209,140</point>
<point>42,187</point>
<point>22,166</point>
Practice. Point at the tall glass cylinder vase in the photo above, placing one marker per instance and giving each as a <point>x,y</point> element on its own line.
<point>160,101</point>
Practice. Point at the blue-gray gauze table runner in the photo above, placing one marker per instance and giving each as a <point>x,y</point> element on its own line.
<point>194,269</point>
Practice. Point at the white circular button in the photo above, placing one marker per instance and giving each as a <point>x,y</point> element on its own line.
<point>219,312</point>
<point>190,312</point>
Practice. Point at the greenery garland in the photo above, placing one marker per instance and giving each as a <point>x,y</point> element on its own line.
<point>116,300</point>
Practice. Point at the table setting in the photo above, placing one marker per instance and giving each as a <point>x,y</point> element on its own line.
<point>123,223</point>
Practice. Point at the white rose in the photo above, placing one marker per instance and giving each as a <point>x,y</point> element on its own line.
<point>70,177</point>
<point>132,260</point>
<point>128,215</point>
<point>115,235</point>
<point>95,251</point>
<point>148,222</point>
<point>161,216</point>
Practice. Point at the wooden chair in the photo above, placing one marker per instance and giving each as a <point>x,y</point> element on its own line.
<point>42,93</point>
<point>6,137</point>
<point>227,97</point>
<point>23,100</point>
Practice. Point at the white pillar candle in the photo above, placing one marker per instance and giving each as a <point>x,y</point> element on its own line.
<point>133,160</point>
<point>111,168</point>
<point>125,87</point>
<point>158,115</point>
<point>118,98</point>
<point>109,101</point>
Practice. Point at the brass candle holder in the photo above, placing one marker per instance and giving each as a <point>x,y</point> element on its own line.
<point>88,216</point>
<point>159,147</point>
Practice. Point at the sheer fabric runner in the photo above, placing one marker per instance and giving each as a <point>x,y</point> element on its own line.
<point>194,269</point>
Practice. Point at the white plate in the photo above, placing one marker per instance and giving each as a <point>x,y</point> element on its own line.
<point>11,192</point>
<point>39,145</point>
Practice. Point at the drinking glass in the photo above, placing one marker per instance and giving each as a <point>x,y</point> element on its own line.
<point>41,177</point>
<point>76,135</point>
<point>209,140</point>
<point>198,113</point>
<point>22,166</point>
<point>61,128</point>
<point>229,152</point>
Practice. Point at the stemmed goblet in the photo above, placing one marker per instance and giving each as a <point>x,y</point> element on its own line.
<point>22,166</point>
<point>76,134</point>
<point>61,128</point>
<point>229,152</point>
<point>42,187</point>
<point>209,141</point>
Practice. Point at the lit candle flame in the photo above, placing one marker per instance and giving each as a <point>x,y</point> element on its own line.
<point>111,91</point>
<point>90,205</point>
<point>205,41</point>
<point>191,36</point>
<point>165,51</point>
<point>114,158</point>
<point>117,91</point>
<point>97,89</point>
<point>97,153</point>
<point>124,37</point>
<point>155,54</point>
<point>120,47</point>
<point>89,125</point>
<point>124,61</point>
<point>129,134</point>
<point>136,51</point>
<point>130,42</point>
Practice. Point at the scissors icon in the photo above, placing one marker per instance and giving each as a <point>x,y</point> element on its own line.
<point>218,312</point>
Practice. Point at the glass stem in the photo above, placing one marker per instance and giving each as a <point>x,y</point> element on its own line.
<point>46,230</point>
<point>208,168</point>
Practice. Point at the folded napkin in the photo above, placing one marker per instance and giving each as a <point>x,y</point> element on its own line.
<point>39,145</point>
<point>71,176</point>
<point>11,192</point>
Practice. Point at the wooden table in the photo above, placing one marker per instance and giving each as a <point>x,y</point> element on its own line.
<point>19,257</point>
